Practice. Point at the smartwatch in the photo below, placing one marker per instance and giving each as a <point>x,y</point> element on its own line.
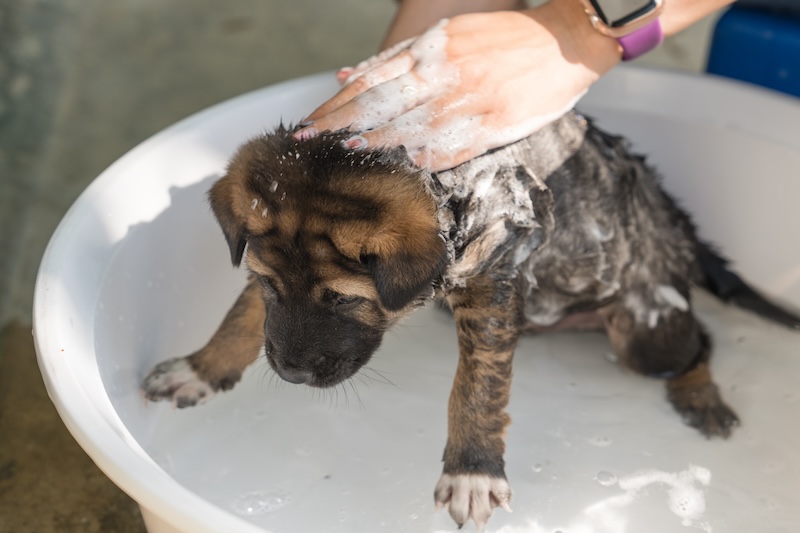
<point>633,23</point>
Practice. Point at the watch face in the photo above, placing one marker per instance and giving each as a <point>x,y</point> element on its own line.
<point>616,13</point>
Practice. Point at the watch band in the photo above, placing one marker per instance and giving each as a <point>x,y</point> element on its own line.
<point>641,41</point>
<point>637,32</point>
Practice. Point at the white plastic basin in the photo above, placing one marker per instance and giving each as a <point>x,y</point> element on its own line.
<point>138,272</point>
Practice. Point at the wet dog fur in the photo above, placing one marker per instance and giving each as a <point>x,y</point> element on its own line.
<point>340,245</point>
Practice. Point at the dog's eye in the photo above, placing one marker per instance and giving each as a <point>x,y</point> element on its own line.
<point>347,301</point>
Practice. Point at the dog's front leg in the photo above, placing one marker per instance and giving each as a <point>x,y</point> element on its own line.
<point>218,365</point>
<point>473,482</point>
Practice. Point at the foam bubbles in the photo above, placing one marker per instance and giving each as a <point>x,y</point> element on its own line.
<point>601,441</point>
<point>259,502</point>
<point>606,479</point>
<point>685,490</point>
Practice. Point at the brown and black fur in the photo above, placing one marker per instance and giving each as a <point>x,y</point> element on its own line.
<point>340,245</point>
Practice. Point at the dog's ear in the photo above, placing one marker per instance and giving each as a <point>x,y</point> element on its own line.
<point>222,198</point>
<point>404,265</point>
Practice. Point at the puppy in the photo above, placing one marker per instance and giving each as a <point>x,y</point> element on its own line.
<point>561,228</point>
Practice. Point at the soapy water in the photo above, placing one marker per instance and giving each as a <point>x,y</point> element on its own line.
<point>685,492</point>
<point>685,499</point>
<point>599,494</point>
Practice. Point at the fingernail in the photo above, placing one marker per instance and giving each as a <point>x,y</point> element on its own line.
<point>344,73</point>
<point>306,123</point>
<point>356,142</point>
<point>305,134</point>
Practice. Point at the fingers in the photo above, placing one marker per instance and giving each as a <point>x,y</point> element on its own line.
<point>383,56</point>
<point>419,54</point>
<point>362,79</point>
<point>343,73</point>
<point>432,139</point>
<point>379,106</point>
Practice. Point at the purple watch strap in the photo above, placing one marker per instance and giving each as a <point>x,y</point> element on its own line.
<point>641,41</point>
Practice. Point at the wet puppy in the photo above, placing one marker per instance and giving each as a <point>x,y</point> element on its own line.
<point>562,227</point>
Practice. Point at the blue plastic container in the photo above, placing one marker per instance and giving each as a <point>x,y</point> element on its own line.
<point>758,46</point>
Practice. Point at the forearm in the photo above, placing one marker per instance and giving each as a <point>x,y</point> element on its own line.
<point>680,14</point>
<point>479,80</point>
<point>415,16</point>
<point>581,43</point>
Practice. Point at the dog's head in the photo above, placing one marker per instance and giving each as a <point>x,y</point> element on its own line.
<point>344,243</point>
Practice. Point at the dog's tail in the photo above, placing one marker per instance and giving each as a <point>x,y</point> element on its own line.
<point>729,287</point>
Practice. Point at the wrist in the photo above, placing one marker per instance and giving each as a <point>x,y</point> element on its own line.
<point>580,42</point>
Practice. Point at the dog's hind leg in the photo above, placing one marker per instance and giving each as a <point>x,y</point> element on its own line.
<point>670,343</point>
<point>473,482</point>
<point>217,366</point>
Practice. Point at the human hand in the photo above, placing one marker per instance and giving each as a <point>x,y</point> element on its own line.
<point>469,84</point>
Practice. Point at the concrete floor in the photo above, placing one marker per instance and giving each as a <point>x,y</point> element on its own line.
<point>82,82</point>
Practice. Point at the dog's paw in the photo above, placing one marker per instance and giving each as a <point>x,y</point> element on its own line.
<point>175,380</point>
<point>472,496</point>
<point>702,408</point>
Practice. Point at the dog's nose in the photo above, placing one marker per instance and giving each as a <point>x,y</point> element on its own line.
<point>294,375</point>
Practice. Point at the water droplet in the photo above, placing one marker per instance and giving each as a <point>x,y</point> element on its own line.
<point>606,478</point>
<point>600,440</point>
<point>303,451</point>
<point>611,357</point>
<point>413,516</point>
<point>273,186</point>
<point>259,502</point>
<point>537,467</point>
<point>768,504</point>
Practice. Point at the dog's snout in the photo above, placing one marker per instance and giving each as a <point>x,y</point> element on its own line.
<point>293,374</point>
